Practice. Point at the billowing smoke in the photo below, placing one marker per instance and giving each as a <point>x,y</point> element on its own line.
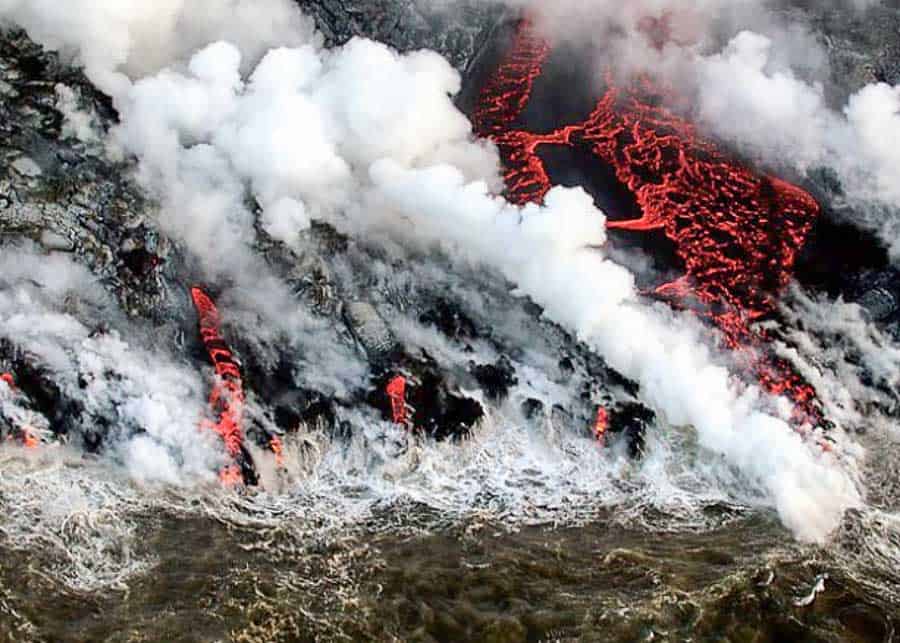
<point>117,40</point>
<point>835,337</point>
<point>226,104</point>
<point>299,132</point>
<point>745,96</point>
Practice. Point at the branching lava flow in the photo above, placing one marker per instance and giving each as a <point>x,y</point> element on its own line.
<point>736,232</point>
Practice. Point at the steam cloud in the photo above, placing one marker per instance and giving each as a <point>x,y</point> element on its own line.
<point>218,99</point>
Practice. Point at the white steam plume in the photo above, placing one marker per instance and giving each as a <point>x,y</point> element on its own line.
<point>552,254</point>
<point>784,120</point>
<point>118,39</point>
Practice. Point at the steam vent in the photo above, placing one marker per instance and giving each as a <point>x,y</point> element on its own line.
<point>458,320</point>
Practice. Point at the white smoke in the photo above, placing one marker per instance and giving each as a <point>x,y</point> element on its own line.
<point>771,111</point>
<point>77,122</point>
<point>298,132</point>
<point>784,120</point>
<point>117,40</point>
<point>854,366</point>
<point>370,139</point>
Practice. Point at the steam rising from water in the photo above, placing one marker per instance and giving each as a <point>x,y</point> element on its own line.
<point>89,518</point>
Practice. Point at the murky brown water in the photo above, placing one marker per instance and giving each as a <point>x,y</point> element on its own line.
<point>471,582</point>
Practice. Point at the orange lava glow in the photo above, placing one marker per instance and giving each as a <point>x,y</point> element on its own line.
<point>601,424</point>
<point>396,391</point>
<point>226,400</point>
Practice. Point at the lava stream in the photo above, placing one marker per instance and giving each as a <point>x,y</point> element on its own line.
<point>226,400</point>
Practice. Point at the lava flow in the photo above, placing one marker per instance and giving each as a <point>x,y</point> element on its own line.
<point>226,400</point>
<point>735,232</point>
<point>601,424</point>
<point>396,392</point>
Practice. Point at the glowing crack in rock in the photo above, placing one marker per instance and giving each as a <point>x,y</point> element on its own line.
<point>277,447</point>
<point>736,233</point>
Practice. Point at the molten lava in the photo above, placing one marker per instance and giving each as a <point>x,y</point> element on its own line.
<point>26,435</point>
<point>736,233</point>
<point>277,447</point>
<point>601,424</point>
<point>396,392</point>
<point>226,400</point>
<point>508,90</point>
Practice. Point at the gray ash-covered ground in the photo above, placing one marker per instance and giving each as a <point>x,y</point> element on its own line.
<point>66,194</point>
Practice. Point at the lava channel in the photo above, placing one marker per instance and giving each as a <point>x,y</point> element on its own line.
<point>226,400</point>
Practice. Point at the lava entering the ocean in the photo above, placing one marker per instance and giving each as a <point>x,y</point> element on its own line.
<point>396,391</point>
<point>226,400</point>
<point>735,232</point>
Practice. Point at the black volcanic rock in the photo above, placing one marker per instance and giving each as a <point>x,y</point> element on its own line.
<point>862,46</point>
<point>496,379</point>
<point>67,194</point>
<point>450,320</point>
<point>630,421</point>
<point>436,406</point>
<point>457,30</point>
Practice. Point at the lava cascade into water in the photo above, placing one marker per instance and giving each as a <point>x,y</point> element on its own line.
<point>601,424</point>
<point>226,400</point>
<point>396,392</point>
<point>25,434</point>
<point>737,233</point>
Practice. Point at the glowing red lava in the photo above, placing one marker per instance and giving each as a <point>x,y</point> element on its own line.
<point>601,424</point>
<point>396,392</point>
<point>736,232</point>
<point>26,435</point>
<point>277,447</point>
<point>226,400</point>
